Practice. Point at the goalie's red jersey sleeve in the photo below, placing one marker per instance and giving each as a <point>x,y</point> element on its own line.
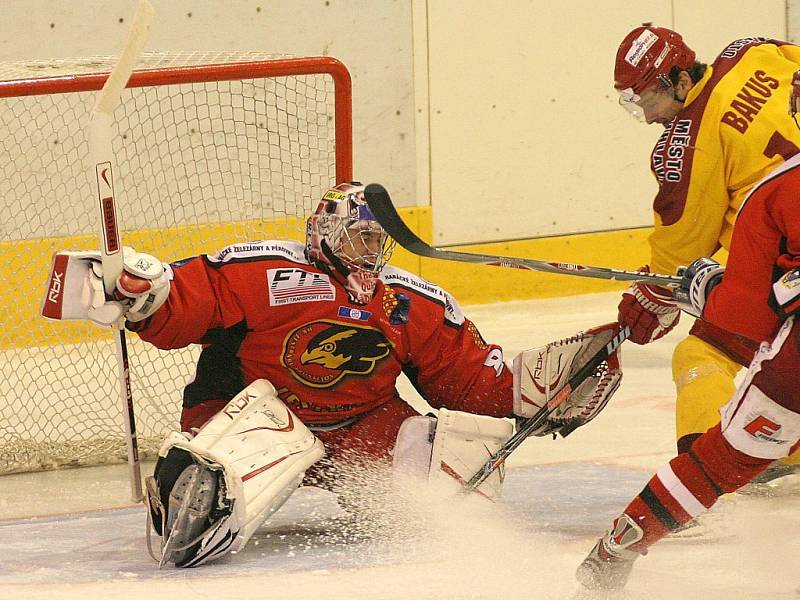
<point>200,300</point>
<point>447,358</point>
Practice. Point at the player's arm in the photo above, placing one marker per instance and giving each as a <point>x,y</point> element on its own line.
<point>451,364</point>
<point>200,300</point>
<point>445,356</point>
<point>763,266</point>
<point>455,368</point>
<point>694,197</point>
<point>689,217</point>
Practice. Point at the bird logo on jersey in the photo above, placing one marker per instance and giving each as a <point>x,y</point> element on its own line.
<point>322,353</point>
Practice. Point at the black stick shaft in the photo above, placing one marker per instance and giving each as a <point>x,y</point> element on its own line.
<point>381,206</point>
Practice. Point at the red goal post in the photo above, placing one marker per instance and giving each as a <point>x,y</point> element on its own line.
<point>212,148</point>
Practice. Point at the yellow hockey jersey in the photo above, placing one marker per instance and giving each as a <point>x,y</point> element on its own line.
<point>733,129</point>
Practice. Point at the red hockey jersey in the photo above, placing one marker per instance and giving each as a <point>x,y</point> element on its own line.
<point>765,245</point>
<point>262,310</point>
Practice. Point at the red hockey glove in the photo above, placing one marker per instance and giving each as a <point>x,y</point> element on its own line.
<point>648,310</point>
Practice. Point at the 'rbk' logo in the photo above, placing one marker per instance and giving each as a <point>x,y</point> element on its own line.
<point>762,428</point>
<point>55,287</point>
<point>547,382</point>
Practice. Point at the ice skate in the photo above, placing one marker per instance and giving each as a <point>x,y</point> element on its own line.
<point>778,479</point>
<point>609,564</point>
<point>187,515</point>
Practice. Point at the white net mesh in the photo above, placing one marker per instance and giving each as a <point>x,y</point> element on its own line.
<point>201,163</point>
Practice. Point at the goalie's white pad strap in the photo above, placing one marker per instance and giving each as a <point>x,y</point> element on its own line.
<point>263,450</point>
<point>754,423</point>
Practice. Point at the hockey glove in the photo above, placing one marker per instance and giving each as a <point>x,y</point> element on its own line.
<point>75,289</point>
<point>648,310</point>
<point>698,279</point>
<point>540,374</point>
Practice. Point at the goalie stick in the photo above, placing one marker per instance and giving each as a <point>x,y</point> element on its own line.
<point>381,206</point>
<point>101,156</point>
<point>526,426</point>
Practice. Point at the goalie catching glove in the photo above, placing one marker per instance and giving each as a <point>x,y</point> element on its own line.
<point>542,375</point>
<point>75,288</point>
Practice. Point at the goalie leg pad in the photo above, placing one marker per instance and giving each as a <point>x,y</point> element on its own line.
<point>413,447</point>
<point>449,450</point>
<point>250,457</point>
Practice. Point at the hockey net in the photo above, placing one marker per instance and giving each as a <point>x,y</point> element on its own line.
<point>212,149</point>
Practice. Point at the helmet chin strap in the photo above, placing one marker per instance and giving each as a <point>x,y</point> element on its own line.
<point>334,260</point>
<point>356,291</point>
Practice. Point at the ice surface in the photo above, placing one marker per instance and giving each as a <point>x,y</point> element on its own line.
<point>73,534</point>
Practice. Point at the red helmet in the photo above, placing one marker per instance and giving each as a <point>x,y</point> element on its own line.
<point>648,53</point>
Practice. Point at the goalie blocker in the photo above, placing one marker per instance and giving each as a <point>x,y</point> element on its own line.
<point>75,288</point>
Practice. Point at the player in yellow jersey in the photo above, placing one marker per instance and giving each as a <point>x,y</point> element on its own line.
<point>726,127</point>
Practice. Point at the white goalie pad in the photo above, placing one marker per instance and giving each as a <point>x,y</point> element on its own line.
<point>541,377</point>
<point>262,450</point>
<point>447,451</point>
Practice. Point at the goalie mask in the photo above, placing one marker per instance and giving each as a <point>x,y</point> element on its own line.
<point>344,234</point>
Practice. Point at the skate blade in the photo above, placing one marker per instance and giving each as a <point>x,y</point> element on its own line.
<point>189,506</point>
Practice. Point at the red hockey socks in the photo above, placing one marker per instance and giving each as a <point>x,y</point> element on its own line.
<point>689,485</point>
